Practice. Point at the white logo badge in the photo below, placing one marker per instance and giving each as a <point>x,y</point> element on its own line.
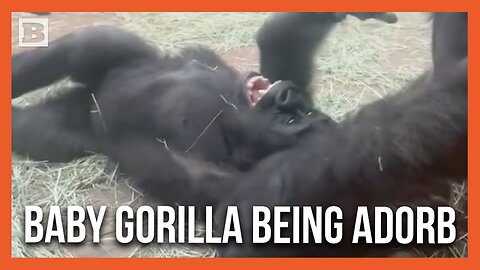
<point>33,32</point>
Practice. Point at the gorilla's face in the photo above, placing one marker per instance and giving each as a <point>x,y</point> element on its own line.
<point>258,117</point>
<point>273,117</point>
<point>279,98</point>
<point>285,106</point>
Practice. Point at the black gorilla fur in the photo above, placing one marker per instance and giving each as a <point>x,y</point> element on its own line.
<point>395,151</point>
<point>171,118</point>
<point>183,119</point>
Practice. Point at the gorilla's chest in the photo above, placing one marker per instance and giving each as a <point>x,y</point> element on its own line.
<point>189,115</point>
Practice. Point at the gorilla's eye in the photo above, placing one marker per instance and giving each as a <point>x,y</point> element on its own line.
<point>302,113</point>
<point>291,121</point>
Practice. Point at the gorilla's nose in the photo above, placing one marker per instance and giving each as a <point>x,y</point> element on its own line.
<point>283,97</point>
<point>286,97</point>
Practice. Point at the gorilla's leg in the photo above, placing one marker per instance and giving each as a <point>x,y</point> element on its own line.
<point>85,56</point>
<point>56,130</point>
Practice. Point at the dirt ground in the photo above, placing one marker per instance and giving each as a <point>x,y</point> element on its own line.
<point>360,62</point>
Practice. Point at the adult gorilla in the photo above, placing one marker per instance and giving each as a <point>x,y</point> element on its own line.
<point>396,151</point>
<point>178,124</point>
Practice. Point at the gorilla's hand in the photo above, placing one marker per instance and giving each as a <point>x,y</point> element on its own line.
<point>288,42</point>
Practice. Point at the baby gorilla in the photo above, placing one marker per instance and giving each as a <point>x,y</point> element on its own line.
<point>178,124</point>
<point>163,117</point>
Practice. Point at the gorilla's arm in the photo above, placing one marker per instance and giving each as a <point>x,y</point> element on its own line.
<point>60,128</point>
<point>288,42</point>
<point>412,133</point>
<point>85,56</point>
<point>282,56</point>
<point>447,50</point>
<point>88,55</point>
<point>396,151</point>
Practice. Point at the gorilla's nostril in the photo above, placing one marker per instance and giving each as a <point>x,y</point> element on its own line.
<point>284,97</point>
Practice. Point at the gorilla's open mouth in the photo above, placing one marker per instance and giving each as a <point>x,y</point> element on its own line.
<point>256,87</point>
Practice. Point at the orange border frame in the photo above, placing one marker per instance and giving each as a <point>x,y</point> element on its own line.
<point>8,6</point>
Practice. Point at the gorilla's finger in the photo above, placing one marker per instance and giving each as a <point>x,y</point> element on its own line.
<point>41,13</point>
<point>388,17</point>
